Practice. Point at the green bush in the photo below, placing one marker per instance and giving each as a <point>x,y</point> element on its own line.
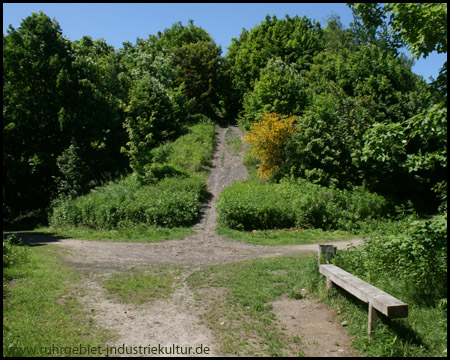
<point>13,251</point>
<point>171,202</point>
<point>249,205</point>
<point>413,256</point>
<point>296,203</point>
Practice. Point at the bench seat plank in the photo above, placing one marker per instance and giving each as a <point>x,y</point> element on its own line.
<point>380,300</point>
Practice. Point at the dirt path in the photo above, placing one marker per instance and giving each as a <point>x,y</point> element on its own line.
<point>177,320</point>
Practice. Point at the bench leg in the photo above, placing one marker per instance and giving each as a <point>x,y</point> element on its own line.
<point>329,284</point>
<point>374,319</point>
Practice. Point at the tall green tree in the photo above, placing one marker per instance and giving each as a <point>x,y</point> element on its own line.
<point>199,72</point>
<point>156,108</point>
<point>294,40</point>
<point>336,36</point>
<point>279,89</point>
<point>422,27</point>
<point>348,93</point>
<point>173,74</point>
<point>178,35</point>
<point>62,106</point>
<point>198,60</point>
<point>38,83</point>
<point>95,130</point>
<point>154,114</point>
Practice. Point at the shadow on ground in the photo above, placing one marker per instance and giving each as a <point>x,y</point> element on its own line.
<point>35,238</point>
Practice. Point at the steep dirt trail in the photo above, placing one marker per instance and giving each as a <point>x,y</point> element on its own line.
<point>175,320</point>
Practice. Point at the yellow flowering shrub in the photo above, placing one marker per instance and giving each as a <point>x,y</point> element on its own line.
<point>267,137</point>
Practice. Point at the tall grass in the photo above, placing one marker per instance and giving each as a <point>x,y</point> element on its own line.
<point>296,203</point>
<point>171,202</point>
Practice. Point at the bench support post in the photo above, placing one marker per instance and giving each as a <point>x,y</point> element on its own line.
<point>326,252</point>
<point>329,284</point>
<point>374,319</point>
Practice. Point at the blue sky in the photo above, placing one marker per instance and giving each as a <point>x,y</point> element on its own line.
<point>118,22</point>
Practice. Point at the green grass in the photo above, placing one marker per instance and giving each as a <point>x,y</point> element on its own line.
<point>194,150</point>
<point>139,286</point>
<point>285,237</point>
<point>40,307</point>
<point>137,234</point>
<point>237,298</point>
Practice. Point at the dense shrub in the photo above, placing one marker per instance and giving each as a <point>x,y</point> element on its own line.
<point>268,137</point>
<point>414,256</point>
<point>169,203</point>
<point>252,205</point>
<point>249,205</point>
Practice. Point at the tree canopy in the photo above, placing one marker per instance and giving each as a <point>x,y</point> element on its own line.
<point>77,113</point>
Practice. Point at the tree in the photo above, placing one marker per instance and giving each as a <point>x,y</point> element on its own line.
<point>294,40</point>
<point>38,83</point>
<point>336,37</point>
<point>62,114</point>
<point>95,127</point>
<point>199,71</point>
<point>348,92</point>
<point>154,114</point>
<point>423,28</point>
<point>279,89</point>
<point>198,61</point>
<point>156,107</point>
<point>172,75</point>
<point>178,35</point>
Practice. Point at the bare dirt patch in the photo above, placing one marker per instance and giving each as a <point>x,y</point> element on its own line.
<point>162,323</point>
<point>315,324</point>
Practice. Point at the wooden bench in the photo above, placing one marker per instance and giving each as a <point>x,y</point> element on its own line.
<point>379,301</point>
